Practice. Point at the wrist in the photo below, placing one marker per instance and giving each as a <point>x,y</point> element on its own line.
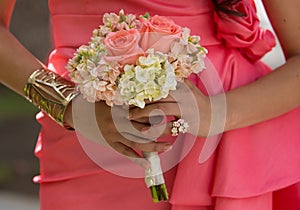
<point>213,115</point>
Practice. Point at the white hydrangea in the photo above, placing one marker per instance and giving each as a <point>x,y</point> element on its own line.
<point>152,79</point>
<point>187,55</point>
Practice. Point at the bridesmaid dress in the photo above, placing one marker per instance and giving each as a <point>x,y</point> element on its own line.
<point>247,170</point>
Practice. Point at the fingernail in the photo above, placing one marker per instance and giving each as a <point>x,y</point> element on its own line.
<point>145,130</point>
<point>129,116</point>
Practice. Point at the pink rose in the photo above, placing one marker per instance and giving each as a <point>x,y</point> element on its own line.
<point>123,46</point>
<point>244,32</point>
<point>159,33</point>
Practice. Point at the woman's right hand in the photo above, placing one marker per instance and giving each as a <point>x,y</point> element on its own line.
<point>110,126</point>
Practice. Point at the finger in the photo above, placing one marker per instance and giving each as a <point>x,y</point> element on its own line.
<point>169,98</point>
<point>155,109</point>
<point>143,162</point>
<point>132,132</point>
<point>131,154</point>
<point>144,143</point>
<point>139,137</point>
<point>142,131</point>
<point>122,125</point>
<point>143,120</point>
<point>124,150</point>
<point>150,146</point>
<point>131,129</point>
<point>160,130</point>
<point>151,120</point>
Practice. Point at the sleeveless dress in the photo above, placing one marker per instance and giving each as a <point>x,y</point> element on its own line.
<point>250,164</point>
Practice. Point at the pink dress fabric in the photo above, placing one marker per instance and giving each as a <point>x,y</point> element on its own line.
<point>249,163</point>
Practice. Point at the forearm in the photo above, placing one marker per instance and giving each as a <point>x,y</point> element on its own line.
<point>16,62</point>
<point>268,97</point>
<point>46,90</point>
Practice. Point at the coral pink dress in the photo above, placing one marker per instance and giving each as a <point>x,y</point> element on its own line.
<point>250,164</point>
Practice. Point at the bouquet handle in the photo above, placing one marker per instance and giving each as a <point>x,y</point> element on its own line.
<point>154,178</point>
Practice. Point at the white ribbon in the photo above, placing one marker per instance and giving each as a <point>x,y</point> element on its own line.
<point>154,175</point>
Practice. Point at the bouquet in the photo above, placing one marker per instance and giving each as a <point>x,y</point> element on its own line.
<point>131,59</point>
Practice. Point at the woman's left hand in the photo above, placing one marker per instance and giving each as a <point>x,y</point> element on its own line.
<point>186,102</point>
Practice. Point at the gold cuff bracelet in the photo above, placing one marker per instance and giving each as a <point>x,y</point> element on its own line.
<point>50,93</point>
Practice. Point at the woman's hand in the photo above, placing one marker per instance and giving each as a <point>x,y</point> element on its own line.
<point>110,126</point>
<point>188,103</point>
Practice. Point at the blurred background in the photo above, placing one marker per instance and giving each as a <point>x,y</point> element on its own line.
<point>18,128</point>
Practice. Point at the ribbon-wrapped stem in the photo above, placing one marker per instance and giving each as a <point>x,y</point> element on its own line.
<point>154,178</point>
